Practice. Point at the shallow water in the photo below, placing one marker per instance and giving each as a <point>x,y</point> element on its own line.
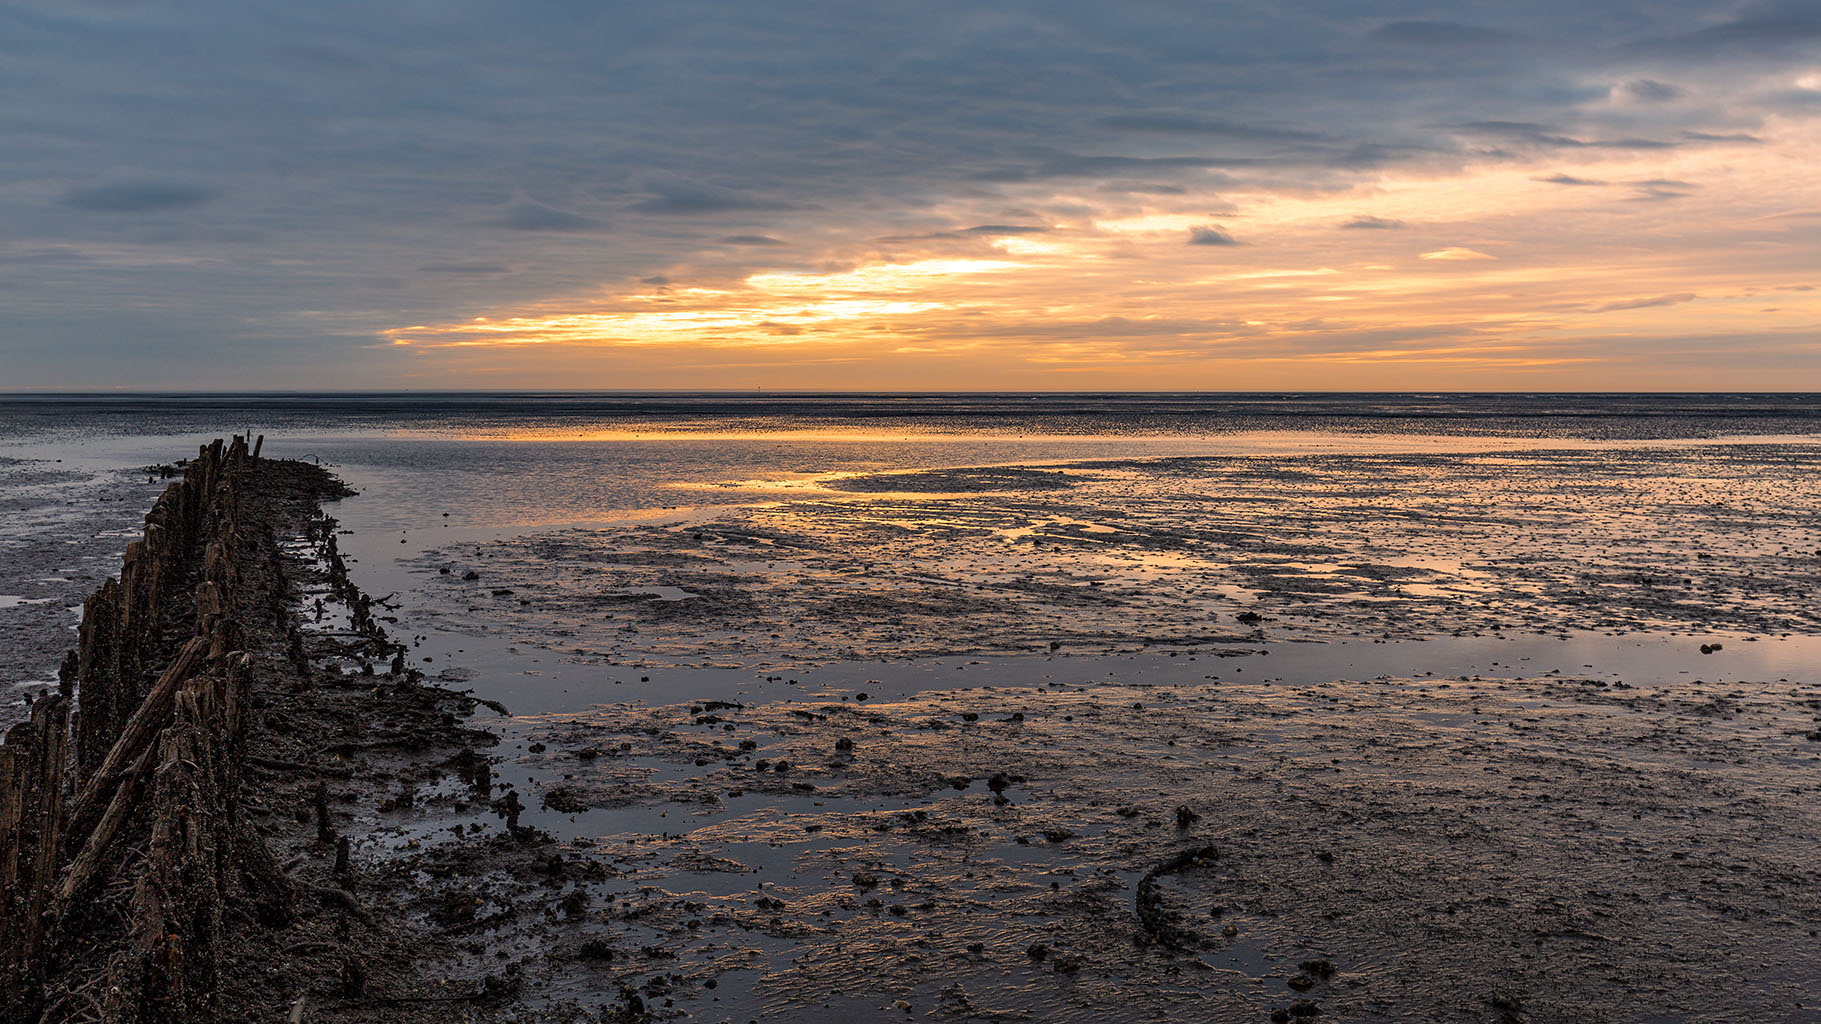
<point>1457,642</point>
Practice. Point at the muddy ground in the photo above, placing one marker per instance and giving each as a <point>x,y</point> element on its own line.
<point>1542,848</point>
<point>1633,847</point>
<point>1399,849</point>
<point>1181,553</point>
<point>62,529</point>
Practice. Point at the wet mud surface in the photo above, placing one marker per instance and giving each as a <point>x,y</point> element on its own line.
<point>1184,552</point>
<point>62,529</point>
<point>1397,849</point>
<point>1636,846</point>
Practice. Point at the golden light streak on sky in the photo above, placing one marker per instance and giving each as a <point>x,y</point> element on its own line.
<point>1502,272</point>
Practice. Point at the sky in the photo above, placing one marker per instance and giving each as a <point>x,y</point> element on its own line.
<point>821,194</point>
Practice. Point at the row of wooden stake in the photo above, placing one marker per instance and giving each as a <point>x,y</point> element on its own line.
<point>121,839</point>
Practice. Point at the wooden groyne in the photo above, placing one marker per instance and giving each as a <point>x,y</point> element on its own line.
<point>123,842</point>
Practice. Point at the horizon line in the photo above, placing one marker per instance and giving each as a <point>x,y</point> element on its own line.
<point>814,392</point>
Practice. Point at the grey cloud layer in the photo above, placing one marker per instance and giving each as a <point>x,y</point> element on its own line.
<point>265,177</point>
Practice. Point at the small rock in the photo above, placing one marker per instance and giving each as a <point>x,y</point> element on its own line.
<point>1318,968</point>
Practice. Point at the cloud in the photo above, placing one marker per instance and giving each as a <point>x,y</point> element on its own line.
<point>1076,165</point>
<point>1207,234</point>
<point>1650,91</point>
<point>463,268</point>
<point>530,215</point>
<point>1762,32</point>
<point>1568,179</point>
<point>1453,253</point>
<point>1744,137</point>
<point>1005,229</point>
<point>282,165</point>
<point>1189,124</point>
<point>1441,33</point>
<point>1660,188</point>
<point>1364,222</point>
<point>1145,190</point>
<point>1538,135</point>
<point>689,199</point>
<point>1799,99</point>
<point>977,231</point>
<point>138,196</point>
<point>1655,300</point>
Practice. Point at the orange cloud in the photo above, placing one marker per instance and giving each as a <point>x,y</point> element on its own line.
<point>1108,287</point>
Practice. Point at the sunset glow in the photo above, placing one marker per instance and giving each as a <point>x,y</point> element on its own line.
<point>1559,196</point>
<point>1491,270</point>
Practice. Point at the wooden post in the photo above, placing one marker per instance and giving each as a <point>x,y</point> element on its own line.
<point>152,804</point>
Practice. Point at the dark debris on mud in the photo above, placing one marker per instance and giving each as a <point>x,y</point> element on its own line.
<point>1405,849</point>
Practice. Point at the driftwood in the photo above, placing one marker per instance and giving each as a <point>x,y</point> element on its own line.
<point>121,841</point>
<point>1161,924</point>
